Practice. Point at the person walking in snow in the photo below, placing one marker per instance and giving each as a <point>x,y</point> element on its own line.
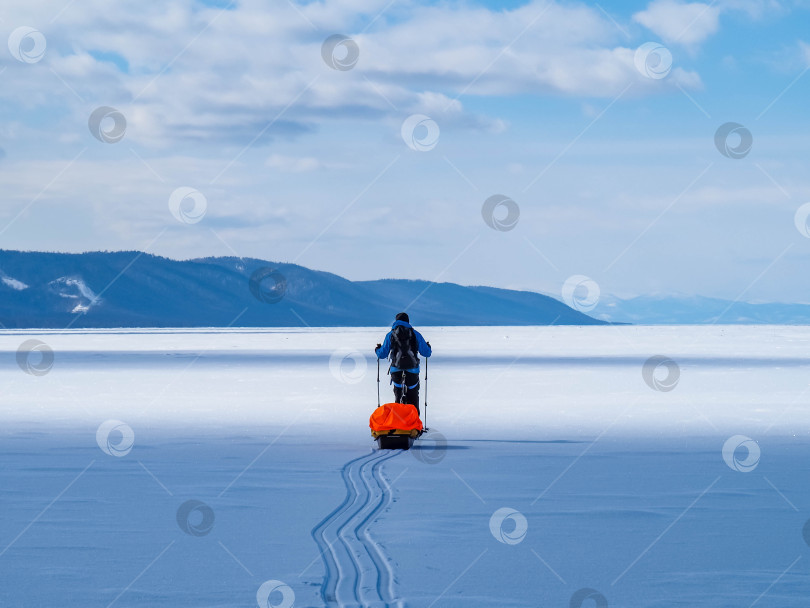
<point>403,345</point>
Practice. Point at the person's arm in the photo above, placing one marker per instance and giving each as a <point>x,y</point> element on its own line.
<point>383,350</point>
<point>424,347</point>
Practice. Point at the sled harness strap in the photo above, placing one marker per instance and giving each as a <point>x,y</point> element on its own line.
<point>400,385</point>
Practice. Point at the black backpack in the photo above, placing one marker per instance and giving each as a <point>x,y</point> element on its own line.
<point>404,348</point>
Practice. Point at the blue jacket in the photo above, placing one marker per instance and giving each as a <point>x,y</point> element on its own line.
<point>385,348</point>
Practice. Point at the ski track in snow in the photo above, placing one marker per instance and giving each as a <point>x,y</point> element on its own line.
<point>358,573</point>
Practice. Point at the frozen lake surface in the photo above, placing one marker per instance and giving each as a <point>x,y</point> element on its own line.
<point>566,466</point>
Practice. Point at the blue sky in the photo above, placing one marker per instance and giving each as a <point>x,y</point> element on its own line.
<point>616,174</point>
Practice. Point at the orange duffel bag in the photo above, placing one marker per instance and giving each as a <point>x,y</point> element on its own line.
<point>395,418</point>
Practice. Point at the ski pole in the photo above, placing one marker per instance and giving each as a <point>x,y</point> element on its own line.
<point>378,382</point>
<point>426,370</point>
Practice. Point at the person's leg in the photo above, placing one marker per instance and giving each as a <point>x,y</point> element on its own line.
<point>412,395</point>
<point>399,391</point>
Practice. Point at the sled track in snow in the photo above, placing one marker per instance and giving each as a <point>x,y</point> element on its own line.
<point>358,574</point>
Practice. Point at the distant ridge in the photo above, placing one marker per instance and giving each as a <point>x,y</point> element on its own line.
<point>698,310</point>
<point>136,289</point>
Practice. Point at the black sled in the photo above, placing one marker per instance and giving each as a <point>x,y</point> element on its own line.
<point>396,441</point>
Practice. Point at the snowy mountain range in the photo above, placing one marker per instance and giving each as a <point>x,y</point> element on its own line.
<point>135,289</point>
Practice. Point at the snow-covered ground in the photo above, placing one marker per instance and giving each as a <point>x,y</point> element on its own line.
<point>566,466</point>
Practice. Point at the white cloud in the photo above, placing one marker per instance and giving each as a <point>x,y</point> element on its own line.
<point>805,50</point>
<point>187,74</point>
<point>291,164</point>
<point>755,9</point>
<point>536,49</point>
<point>687,24</point>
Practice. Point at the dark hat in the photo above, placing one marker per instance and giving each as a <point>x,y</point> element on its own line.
<point>403,316</point>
